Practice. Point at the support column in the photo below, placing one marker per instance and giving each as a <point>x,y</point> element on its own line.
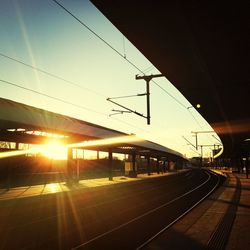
<point>158,166</point>
<point>148,164</point>
<point>201,164</point>
<point>110,164</point>
<point>241,165</point>
<point>164,166</point>
<point>247,166</point>
<point>134,168</point>
<point>77,170</point>
<point>70,178</point>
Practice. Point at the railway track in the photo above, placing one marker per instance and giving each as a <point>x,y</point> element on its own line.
<point>124,217</point>
<point>156,220</point>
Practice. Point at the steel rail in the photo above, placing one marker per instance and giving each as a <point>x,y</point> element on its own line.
<point>139,192</point>
<point>150,212</point>
<point>182,215</point>
<point>51,238</point>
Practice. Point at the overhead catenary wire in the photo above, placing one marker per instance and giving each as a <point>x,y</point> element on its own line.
<point>197,121</point>
<point>119,53</point>
<point>50,74</point>
<point>70,103</point>
<point>65,80</point>
<point>148,68</point>
<point>169,94</point>
<point>194,118</point>
<point>69,82</point>
<point>194,151</point>
<point>124,47</point>
<point>51,97</point>
<point>93,32</point>
<point>126,96</point>
<point>125,57</point>
<point>58,99</point>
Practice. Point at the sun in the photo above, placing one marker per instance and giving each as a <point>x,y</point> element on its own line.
<point>53,149</point>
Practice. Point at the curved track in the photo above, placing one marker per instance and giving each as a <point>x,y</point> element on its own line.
<point>119,217</point>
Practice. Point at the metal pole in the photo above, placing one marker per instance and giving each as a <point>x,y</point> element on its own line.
<point>148,102</point>
<point>201,154</point>
<point>148,164</point>
<point>196,141</point>
<point>78,169</point>
<point>147,79</point>
<point>247,166</point>
<point>134,161</point>
<point>70,166</point>
<point>110,165</point>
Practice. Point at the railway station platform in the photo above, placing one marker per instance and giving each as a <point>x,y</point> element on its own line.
<point>58,187</point>
<point>222,221</point>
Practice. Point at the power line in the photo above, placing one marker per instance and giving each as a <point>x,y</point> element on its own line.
<point>124,47</point>
<point>169,94</point>
<point>70,82</point>
<point>93,32</point>
<point>126,96</point>
<point>51,97</point>
<point>67,81</point>
<point>194,118</point>
<point>148,68</point>
<point>61,100</point>
<point>110,46</point>
<point>79,106</point>
<point>198,122</point>
<point>120,54</point>
<point>50,74</point>
<point>70,103</point>
<point>131,125</point>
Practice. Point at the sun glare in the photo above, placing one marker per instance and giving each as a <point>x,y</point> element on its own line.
<point>54,150</point>
<point>107,141</point>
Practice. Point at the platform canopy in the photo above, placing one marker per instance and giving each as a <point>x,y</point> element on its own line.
<point>26,124</point>
<point>203,49</point>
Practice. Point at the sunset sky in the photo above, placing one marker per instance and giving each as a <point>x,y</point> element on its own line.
<point>42,35</point>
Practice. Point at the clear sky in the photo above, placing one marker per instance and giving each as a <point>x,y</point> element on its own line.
<point>41,34</point>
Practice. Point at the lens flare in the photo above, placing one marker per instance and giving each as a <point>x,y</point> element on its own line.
<point>106,142</point>
<point>53,149</point>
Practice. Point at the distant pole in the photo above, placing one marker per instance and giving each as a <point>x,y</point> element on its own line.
<point>201,155</point>
<point>196,141</point>
<point>196,136</point>
<point>247,165</point>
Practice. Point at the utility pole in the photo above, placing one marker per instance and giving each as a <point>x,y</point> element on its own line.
<point>202,146</point>
<point>201,155</point>
<point>148,79</point>
<point>196,146</point>
<point>196,136</point>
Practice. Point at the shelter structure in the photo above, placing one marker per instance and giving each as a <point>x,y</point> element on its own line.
<point>20,123</point>
<point>203,48</point>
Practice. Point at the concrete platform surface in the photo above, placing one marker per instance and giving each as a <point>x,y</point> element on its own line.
<point>222,221</point>
<point>57,187</point>
<point>206,227</point>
